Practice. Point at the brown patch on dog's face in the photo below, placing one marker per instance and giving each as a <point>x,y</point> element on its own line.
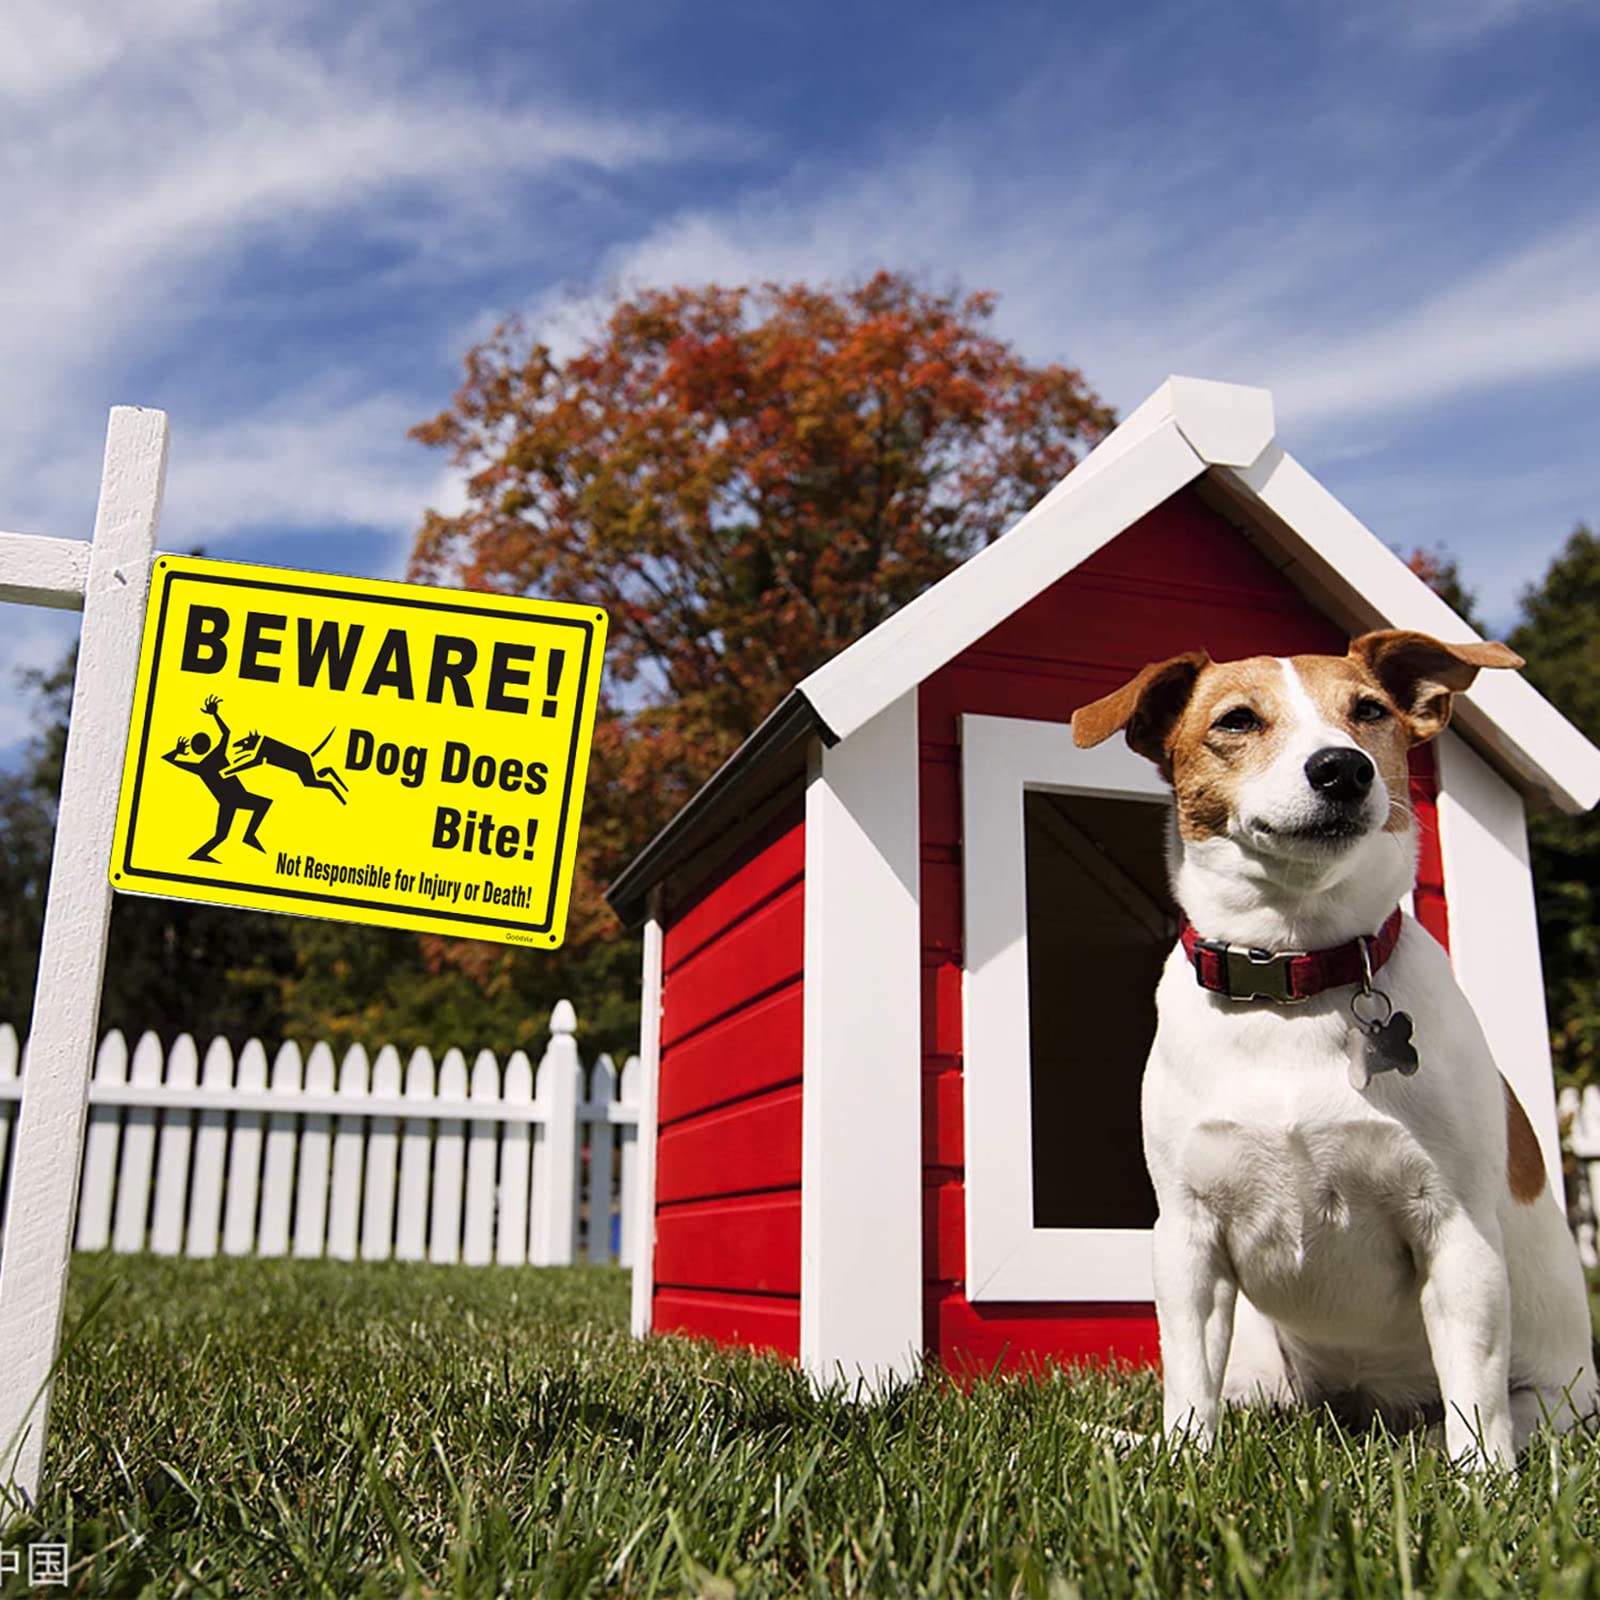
<point>1524,1159</point>
<point>1234,725</point>
<point>1351,699</point>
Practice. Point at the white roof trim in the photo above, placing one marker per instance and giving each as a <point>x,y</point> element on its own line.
<point>1186,426</point>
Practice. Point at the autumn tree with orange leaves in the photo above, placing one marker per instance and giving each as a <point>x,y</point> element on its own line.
<point>746,479</point>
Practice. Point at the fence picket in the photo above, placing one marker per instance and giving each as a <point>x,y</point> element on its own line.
<point>277,1177</point>
<point>477,1246</point>
<point>444,1234</point>
<point>172,1152</point>
<point>349,1134</point>
<point>244,1157</point>
<point>383,1153</point>
<point>628,1095</point>
<point>138,1153</point>
<point>602,1091</point>
<point>210,1155</point>
<point>552,1220</point>
<point>416,1158</point>
<point>511,1240</point>
<point>98,1186</point>
<point>8,1114</point>
<point>311,1182</point>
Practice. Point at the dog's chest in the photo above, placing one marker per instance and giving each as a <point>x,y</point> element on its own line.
<point>1317,1217</point>
<point>1315,1191</point>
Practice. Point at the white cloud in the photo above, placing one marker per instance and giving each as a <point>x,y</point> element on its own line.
<point>161,145</point>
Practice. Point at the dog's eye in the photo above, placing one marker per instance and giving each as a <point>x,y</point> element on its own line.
<point>1241,719</point>
<point>1368,711</point>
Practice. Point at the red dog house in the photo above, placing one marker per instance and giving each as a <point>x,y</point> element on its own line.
<point>900,951</point>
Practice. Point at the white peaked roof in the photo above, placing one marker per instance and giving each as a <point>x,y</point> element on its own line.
<point>1187,429</point>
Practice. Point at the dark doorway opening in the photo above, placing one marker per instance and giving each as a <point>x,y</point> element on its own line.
<point>1101,921</point>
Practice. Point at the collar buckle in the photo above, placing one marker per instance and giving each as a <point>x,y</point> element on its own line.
<point>1254,974</point>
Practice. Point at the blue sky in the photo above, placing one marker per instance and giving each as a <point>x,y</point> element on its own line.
<point>285,224</point>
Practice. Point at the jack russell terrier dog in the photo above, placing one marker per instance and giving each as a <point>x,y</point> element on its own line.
<point>1332,1147</point>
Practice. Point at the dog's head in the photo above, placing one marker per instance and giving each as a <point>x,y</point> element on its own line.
<point>1292,761</point>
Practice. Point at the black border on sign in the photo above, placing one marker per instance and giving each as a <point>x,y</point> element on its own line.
<point>172,577</point>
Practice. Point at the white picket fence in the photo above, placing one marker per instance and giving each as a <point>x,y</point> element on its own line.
<point>1580,1132</point>
<point>194,1156</point>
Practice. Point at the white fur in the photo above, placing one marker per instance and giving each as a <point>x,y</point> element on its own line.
<point>1315,1240</point>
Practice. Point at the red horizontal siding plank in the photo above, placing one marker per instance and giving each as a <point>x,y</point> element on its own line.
<point>752,1144</point>
<point>748,1243</point>
<point>753,1050</point>
<point>754,956</point>
<point>1432,903</point>
<point>759,1321</point>
<point>761,870</point>
<point>977,1339</point>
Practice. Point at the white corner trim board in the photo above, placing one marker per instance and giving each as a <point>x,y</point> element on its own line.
<point>49,1137</point>
<point>1494,929</point>
<point>861,1113</point>
<point>1008,1258</point>
<point>644,1195</point>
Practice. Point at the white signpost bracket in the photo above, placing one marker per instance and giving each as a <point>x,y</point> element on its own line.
<point>110,580</point>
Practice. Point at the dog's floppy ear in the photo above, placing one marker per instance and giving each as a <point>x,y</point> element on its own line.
<point>1423,675</point>
<point>1148,707</point>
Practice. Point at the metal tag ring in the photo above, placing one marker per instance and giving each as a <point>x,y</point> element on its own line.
<point>1383,1008</point>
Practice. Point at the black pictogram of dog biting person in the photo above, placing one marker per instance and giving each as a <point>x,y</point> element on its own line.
<point>262,751</point>
<point>208,764</point>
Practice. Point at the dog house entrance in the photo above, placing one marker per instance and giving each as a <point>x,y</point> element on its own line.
<point>1067,921</point>
<point>1100,921</point>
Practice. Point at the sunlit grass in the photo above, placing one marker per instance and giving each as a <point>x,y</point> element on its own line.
<point>311,1428</point>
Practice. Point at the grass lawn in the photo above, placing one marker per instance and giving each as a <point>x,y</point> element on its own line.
<point>307,1428</point>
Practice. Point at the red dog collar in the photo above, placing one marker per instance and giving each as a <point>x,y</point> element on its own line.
<point>1286,976</point>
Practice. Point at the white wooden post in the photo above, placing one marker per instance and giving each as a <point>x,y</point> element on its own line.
<point>644,1194</point>
<point>555,1166</point>
<point>628,1183</point>
<point>72,952</point>
<point>861,1115</point>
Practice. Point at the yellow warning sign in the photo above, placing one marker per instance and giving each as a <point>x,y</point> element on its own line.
<point>361,750</point>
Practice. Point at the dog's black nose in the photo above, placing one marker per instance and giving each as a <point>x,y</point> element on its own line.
<point>1340,773</point>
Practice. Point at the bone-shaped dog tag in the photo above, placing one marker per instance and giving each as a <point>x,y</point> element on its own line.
<point>1382,1047</point>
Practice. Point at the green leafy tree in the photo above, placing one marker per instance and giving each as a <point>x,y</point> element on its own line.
<point>1559,636</point>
